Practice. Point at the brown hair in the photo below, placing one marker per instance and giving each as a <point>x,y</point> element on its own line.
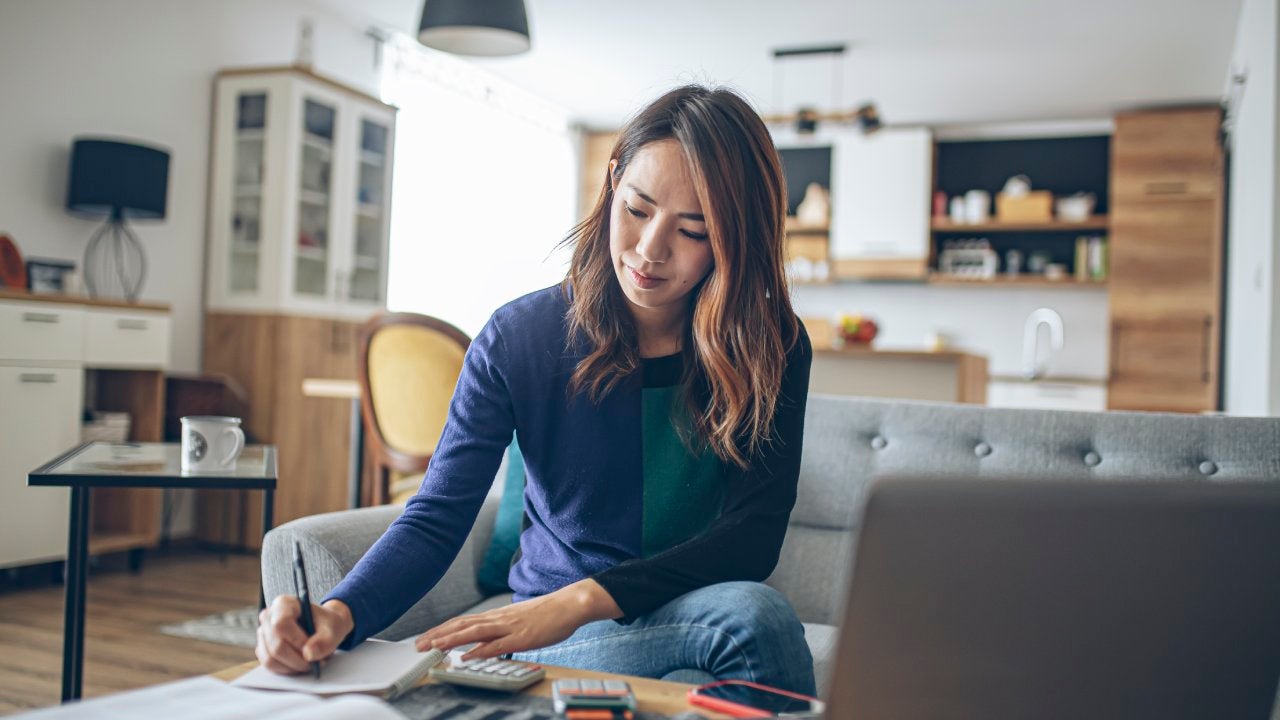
<point>741,321</point>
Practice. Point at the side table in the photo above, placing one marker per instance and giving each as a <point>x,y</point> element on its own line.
<point>133,465</point>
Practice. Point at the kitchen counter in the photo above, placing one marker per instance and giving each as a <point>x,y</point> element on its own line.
<point>947,375</point>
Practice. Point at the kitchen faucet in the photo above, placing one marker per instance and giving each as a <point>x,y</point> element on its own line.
<point>1032,367</point>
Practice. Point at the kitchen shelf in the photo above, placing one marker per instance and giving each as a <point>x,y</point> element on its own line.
<point>1022,281</point>
<point>1096,222</point>
<point>794,228</point>
<point>312,253</point>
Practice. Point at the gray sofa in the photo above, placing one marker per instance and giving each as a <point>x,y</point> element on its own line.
<point>850,442</point>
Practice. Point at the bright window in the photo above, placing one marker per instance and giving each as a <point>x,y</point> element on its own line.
<point>484,188</point>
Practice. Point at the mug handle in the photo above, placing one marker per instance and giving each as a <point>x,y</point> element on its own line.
<point>235,451</point>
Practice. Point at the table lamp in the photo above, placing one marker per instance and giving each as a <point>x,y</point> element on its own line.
<point>118,180</point>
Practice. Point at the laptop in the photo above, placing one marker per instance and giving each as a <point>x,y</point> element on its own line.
<point>1044,599</point>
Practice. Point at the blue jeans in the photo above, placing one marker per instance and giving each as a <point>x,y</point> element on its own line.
<point>729,631</point>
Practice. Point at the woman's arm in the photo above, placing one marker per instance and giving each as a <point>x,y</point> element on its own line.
<point>744,542</point>
<point>409,559</point>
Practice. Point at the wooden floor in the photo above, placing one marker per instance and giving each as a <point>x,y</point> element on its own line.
<point>123,645</point>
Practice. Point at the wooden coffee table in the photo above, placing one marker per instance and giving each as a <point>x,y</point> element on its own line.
<point>658,696</point>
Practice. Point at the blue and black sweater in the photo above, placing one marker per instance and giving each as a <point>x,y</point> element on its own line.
<point>611,493</point>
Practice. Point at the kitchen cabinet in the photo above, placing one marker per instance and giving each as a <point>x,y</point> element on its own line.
<point>59,354</point>
<point>879,186</point>
<point>1167,208</point>
<point>880,199</point>
<point>1047,394</point>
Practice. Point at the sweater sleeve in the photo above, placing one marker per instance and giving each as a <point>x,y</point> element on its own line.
<point>410,558</point>
<point>744,542</point>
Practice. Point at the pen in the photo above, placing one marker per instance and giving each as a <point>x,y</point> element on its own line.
<point>304,596</point>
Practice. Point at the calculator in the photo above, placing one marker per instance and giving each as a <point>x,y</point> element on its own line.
<point>585,695</point>
<point>489,674</point>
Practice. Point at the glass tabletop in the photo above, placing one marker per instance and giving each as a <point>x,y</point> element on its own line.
<point>107,464</point>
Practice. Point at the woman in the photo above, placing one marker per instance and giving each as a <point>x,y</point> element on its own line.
<point>658,397</point>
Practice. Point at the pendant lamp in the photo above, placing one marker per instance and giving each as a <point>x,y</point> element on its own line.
<point>487,28</point>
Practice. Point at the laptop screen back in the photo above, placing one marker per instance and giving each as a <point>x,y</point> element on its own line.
<point>1011,599</point>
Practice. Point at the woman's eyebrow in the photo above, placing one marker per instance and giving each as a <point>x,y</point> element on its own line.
<point>688,216</point>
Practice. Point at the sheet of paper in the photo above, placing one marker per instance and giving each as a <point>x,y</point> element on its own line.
<point>373,667</point>
<point>206,698</point>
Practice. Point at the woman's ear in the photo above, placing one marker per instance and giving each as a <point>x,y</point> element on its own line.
<point>613,181</point>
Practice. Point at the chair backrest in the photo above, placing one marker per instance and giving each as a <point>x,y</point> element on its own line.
<point>408,367</point>
<point>851,442</point>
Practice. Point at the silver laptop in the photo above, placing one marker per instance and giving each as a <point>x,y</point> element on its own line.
<point>1002,599</point>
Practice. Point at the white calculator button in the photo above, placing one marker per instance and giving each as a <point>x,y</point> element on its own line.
<point>615,686</point>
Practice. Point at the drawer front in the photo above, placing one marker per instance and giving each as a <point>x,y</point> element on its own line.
<point>126,339</point>
<point>35,331</point>
<point>39,420</point>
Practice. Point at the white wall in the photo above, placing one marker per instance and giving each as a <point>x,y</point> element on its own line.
<point>987,321</point>
<point>141,69</point>
<point>1252,360</point>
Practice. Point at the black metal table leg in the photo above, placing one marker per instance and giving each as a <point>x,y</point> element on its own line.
<point>356,445</point>
<point>268,513</point>
<point>76,578</point>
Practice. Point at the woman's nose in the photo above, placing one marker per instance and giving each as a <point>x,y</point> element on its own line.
<point>653,246</point>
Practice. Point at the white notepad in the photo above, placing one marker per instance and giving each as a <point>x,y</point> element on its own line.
<point>375,667</point>
<point>205,698</point>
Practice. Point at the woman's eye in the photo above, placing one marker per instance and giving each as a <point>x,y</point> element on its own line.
<point>695,236</point>
<point>634,211</point>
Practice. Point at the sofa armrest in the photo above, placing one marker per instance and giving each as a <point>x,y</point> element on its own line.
<point>333,543</point>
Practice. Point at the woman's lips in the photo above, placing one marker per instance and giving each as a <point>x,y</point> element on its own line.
<point>644,282</point>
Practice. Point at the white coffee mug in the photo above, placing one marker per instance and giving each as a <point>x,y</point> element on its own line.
<point>211,443</point>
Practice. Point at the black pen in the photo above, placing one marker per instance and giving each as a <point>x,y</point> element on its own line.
<point>304,596</point>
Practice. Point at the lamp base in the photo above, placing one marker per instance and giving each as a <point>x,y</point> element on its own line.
<point>114,264</point>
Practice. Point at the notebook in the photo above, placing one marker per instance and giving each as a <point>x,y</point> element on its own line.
<point>375,667</point>
<point>205,698</point>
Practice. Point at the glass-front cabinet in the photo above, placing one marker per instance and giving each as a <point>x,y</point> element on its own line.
<point>300,197</point>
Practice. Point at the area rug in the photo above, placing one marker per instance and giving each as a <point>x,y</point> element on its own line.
<point>234,627</point>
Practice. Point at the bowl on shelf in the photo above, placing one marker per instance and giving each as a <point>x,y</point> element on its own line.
<point>1075,208</point>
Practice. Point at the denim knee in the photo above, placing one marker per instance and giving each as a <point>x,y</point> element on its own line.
<point>755,606</point>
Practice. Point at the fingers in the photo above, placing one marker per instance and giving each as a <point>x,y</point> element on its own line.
<point>322,644</point>
<point>278,657</point>
<point>280,638</point>
<point>491,649</point>
<point>480,633</point>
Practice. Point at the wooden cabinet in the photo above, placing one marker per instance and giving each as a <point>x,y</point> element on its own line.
<point>299,204</point>
<point>1167,154</point>
<point>59,355</point>
<point>1166,260</point>
<point>270,355</point>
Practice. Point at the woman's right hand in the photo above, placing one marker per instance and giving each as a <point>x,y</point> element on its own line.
<point>284,648</point>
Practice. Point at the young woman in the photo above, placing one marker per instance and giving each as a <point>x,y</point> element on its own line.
<point>658,396</point>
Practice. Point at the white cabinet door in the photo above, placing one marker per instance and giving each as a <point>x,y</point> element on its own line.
<point>245,204</point>
<point>40,331</point>
<point>125,339</point>
<point>880,194</point>
<point>1046,395</point>
<point>39,420</point>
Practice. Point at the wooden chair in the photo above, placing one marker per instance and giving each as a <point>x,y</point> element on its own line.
<point>408,366</point>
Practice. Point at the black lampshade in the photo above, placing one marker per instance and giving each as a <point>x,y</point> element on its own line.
<point>119,179</point>
<point>475,27</point>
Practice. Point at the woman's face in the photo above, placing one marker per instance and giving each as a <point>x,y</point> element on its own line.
<point>657,235</point>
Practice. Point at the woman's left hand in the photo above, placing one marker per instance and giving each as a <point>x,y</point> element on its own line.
<point>534,623</point>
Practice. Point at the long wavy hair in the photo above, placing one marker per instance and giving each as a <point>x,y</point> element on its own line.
<point>741,324</point>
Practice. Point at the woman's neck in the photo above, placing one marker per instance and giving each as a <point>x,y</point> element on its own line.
<point>658,332</point>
